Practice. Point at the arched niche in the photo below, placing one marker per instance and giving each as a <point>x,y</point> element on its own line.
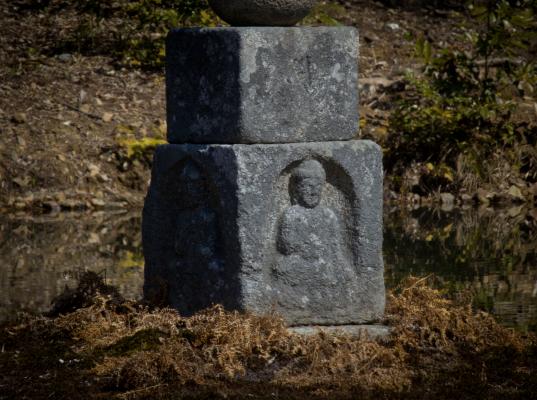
<point>196,261</point>
<point>309,249</point>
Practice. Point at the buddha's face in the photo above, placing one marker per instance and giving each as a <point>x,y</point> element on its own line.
<point>190,187</point>
<point>308,191</point>
<point>308,183</point>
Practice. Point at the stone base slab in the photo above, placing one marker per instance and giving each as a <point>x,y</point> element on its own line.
<point>372,331</point>
<point>292,228</point>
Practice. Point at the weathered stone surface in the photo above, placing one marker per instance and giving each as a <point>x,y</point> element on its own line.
<point>262,85</point>
<point>262,12</point>
<point>291,227</point>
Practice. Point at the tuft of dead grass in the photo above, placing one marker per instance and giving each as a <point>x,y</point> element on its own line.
<point>437,349</point>
<point>422,317</point>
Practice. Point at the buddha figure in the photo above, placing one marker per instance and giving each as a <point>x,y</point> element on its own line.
<point>311,262</point>
<point>197,265</point>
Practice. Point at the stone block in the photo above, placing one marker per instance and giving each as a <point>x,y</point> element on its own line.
<point>380,332</point>
<point>262,84</point>
<point>295,228</point>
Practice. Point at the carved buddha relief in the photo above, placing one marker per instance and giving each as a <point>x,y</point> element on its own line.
<point>311,261</point>
<point>195,236</point>
<point>198,263</point>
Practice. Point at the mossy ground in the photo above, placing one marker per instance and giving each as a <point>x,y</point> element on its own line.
<point>113,348</point>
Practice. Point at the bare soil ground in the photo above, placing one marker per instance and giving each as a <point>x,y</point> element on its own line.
<point>63,118</point>
<point>64,115</point>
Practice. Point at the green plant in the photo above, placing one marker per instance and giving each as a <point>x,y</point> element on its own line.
<point>131,31</point>
<point>140,148</point>
<point>325,13</point>
<point>152,19</point>
<point>466,98</point>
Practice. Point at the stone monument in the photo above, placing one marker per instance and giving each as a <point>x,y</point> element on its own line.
<point>263,201</point>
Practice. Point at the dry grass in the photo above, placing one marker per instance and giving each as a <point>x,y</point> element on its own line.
<point>119,349</point>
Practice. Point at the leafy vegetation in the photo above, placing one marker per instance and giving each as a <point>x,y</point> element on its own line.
<point>325,13</point>
<point>463,107</point>
<point>141,149</point>
<point>133,31</point>
<point>151,21</point>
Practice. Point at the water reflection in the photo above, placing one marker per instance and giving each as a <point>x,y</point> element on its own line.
<point>39,256</point>
<point>492,254</point>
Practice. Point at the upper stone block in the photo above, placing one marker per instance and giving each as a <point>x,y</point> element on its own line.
<point>262,85</point>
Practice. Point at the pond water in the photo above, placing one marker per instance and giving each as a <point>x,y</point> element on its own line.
<point>489,254</point>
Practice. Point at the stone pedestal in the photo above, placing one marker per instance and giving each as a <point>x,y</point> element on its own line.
<point>287,217</point>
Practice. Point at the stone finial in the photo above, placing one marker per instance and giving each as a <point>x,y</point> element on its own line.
<point>262,12</point>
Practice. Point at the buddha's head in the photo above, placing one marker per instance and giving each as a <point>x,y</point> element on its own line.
<point>307,182</point>
<point>185,185</point>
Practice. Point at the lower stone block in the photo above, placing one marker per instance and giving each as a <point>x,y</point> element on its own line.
<point>291,228</point>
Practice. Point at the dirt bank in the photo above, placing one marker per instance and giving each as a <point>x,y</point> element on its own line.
<point>68,118</point>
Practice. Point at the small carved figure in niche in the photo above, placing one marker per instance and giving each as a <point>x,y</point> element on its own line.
<point>311,263</point>
<point>196,237</point>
